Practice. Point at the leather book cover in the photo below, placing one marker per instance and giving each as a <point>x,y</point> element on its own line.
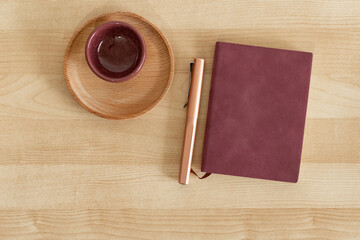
<point>257,110</point>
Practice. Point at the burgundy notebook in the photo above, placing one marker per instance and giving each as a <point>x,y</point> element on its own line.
<point>257,109</point>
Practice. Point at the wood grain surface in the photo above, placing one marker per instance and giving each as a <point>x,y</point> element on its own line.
<point>68,174</point>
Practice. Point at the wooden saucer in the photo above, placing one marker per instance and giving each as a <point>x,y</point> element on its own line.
<point>125,99</point>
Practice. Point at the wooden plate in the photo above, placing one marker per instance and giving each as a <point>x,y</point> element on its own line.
<point>125,99</point>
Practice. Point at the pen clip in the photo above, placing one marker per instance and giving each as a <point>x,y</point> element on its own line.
<point>190,73</point>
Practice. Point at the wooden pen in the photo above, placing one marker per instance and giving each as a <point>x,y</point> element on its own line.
<point>191,119</point>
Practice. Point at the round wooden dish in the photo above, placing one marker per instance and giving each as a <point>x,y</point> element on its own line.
<point>125,99</point>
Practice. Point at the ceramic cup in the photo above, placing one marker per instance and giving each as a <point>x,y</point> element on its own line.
<point>115,51</point>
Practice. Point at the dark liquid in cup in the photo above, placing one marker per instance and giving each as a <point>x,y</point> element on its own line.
<point>117,53</point>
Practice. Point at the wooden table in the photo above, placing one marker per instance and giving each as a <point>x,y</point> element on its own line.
<point>68,174</point>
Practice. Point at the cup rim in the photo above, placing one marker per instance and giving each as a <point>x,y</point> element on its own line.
<point>142,56</point>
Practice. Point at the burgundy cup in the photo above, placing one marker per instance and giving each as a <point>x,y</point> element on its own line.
<point>115,51</point>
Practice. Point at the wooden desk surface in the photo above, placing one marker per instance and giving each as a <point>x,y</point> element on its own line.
<point>68,174</point>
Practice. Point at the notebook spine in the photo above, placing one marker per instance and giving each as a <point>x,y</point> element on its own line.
<point>206,165</point>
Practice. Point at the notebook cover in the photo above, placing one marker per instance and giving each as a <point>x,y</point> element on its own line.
<point>257,109</point>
